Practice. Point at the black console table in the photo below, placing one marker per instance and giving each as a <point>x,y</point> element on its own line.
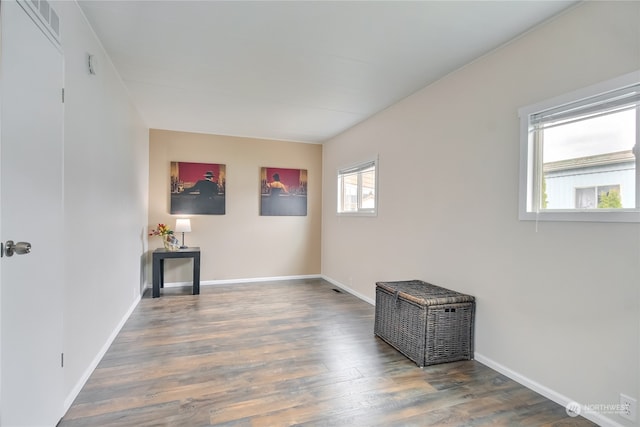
<point>159,255</point>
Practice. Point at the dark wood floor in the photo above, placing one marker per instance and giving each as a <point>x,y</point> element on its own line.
<point>282,354</point>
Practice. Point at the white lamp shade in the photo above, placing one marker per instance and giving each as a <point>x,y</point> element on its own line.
<point>183,225</point>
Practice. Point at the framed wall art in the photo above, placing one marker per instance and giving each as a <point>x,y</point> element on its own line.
<point>198,188</point>
<point>283,192</point>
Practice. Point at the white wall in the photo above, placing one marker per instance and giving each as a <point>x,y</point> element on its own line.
<point>557,303</point>
<point>106,182</point>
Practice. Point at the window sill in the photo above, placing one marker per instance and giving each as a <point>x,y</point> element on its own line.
<point>357,214</point>
<point>601,215</point>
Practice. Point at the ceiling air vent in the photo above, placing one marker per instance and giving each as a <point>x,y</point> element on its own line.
<point>45,17</point>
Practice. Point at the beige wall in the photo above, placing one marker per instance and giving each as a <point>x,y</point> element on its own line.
<point>241,244</point>
<point>558,303</point>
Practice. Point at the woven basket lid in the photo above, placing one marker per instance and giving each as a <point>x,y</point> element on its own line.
<point>424,293</point>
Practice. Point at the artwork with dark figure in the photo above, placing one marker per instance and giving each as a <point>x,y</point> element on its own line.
<point>276,186</point>
<point>206,187</point>
<point>198,188</point>
<point>284,193</point>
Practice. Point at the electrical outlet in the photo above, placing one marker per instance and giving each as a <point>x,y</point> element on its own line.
<point>629,407</point>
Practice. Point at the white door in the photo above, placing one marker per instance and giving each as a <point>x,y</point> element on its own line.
<point>31,210</point>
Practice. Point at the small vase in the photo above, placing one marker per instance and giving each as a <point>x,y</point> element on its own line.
<point>169,242</point>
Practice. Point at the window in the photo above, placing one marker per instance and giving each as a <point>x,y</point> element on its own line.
<point>580,155</point>
<point>357,189</point>
<point>601,197</point>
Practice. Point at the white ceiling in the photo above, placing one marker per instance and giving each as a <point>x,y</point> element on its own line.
<point>294,70</point>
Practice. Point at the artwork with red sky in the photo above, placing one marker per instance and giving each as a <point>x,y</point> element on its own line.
<point>198,188</point>
<point>283,192</point>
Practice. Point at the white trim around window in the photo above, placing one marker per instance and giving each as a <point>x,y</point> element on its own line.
<point>358,189</point>
<point>543,161</point>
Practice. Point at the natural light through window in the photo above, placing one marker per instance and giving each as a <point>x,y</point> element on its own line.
<point>357,189</point>
<point>580,156</point>
<point>590,153</point>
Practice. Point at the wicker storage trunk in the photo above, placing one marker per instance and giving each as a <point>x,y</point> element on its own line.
<point>426,323</point>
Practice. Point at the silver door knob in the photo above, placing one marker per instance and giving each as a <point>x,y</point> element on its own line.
<point>19,248</point>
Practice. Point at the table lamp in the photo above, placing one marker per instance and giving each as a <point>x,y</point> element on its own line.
<point>183,225</point>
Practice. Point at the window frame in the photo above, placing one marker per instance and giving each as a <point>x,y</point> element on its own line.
<point>531,151</point>
<point>358,168</point>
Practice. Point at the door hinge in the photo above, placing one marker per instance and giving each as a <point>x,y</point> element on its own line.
<point>62,360</point>
<point>63,95</point>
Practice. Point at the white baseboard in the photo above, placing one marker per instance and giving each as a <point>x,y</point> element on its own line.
<point>550,394</point>
<point>96,360</point>
<point>269,279</point>
<point>232,281</point>
<point>257,279</point>
<point>348,289</point>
